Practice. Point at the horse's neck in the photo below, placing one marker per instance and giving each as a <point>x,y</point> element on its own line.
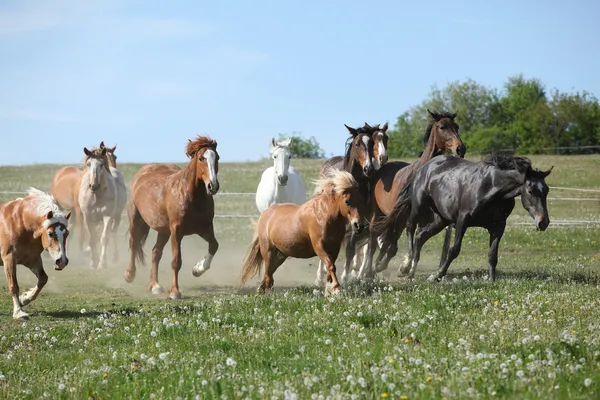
<point>511,182</point>
<point>193,187</point>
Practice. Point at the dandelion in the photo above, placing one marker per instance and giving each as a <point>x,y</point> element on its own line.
<point>230,362</point>
<point>61,386</point>
<point>428,379</point>
<point>384,395</point>
<point>153,334</point>
<point>82,311</point>
<point>163,356</point>
<point>587,382</point>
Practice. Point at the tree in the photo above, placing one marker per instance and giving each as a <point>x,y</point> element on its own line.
<point>304,148</point>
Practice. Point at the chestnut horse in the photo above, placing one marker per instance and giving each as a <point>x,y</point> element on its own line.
<point>121,196</point>
<point>316,227</point>
<point>441,136</point>
<point>175,203</point>
<point>30,226</point>
<point>65,190</point>
<point>97,202</point>
<point>358,161</point>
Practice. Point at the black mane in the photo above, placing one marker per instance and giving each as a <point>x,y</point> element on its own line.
<point>435,117</point>
<point>508,162</point>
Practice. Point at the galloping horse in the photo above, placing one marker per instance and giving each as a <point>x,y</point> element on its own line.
<point>482,194</point>
<point>97,201</point>
<point>280,183</point>
<point>175,203</point>
<point>121,195</point>
<point>65,191</point>
<point>30,226</point>
<point>358,161</point>
<point>316,227</point>
<point>441,136</point>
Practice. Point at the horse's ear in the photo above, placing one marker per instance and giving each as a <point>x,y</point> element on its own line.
<point>368,126</point>
<point>453,115</point>
<point>352,131</point>
<point>272,145</point>
<point>112,150</point>
<point>87,152</point>
<point>103,151</point>
<point>68,215</point>
<point>287,142</point>
<point>102,144</point>
<point>384,128</point>
<point>546,173</point>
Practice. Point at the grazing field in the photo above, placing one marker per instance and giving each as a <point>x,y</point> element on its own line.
<point>534,333</point>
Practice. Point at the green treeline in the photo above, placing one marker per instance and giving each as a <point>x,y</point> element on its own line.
<point>523,118</point>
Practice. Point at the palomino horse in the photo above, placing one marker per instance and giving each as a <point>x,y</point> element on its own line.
<point>360,160</point>
<point>65,190</point>
<point>175,203</point>
<point>316,227</point>
<point>30,226</point>
<point>121,195</point>
<point>280,183</point>
<point>441,136</point>
<point>97,201</point>
<point>481,194</point>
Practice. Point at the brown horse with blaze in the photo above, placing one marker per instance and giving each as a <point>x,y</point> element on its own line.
<point>175,203</point>
<point>316,227</point>
<point>28,227</point>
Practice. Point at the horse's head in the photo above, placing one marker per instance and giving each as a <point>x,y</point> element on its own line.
<point>360,150</point>
<point>110,154</point>
<point>281,155</point>
<point>445,134</point>
<point>96,163</point>
<point>380,143</point>
<point>203,151</point>
<point>53,232</point>
<point>533,197</point>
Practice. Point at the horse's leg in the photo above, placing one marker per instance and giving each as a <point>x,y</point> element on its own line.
<point>90,227</point>
<point>332,282</point>
<point>81,229</point>
<point>366,268</point>
<point>446,246</point>
<point>176,237</point>
<point>138,232</point>
<point>428,229</point>
<point>208,234</point>
<point>320,274</point>
<point>495,236</point>
<point>272,260</point>
<point>115,227</point>
<point>161,240</point>
<point>350,251</point>
<point>10,269</point>
<point>461,228</point>
<point>107,222</point>
<point>37,267</point>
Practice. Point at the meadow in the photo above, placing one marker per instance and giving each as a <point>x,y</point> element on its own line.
<point>533,333</point>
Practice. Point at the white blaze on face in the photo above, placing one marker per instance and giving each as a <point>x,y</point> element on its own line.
<point>58,257</point>
<point>366,139</point>
<point>381,150</point>
<point>540,187</point>
<point>211,159</point>
<point>94,171</point>
<point>281,161</point>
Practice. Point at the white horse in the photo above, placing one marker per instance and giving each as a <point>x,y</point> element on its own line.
<point>280,183</point>
<point>121,200</point>
<point>97,200</point>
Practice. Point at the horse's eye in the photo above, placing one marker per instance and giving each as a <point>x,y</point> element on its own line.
<point>348,202</point>
<point>51,234</point>
<point>201,158</point>
<point>275,157</point>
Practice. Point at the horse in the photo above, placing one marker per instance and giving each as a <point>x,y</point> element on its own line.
<point>380,144</point>
<point>316,227</point>
<point>280,183</point>
<point>468,194</point>
<point>174,202</point>
<point>30,226</point>
<point>441,136</point>
<point>97,202</point>
<point>358,161</point>
<point>121,195</point>
<point>64,188</point>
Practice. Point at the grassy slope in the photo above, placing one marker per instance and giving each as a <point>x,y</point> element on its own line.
<point>534,333</point>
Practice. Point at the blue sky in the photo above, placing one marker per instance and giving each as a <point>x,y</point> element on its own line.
<point>148,75</point>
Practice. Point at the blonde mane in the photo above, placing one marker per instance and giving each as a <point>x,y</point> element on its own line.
<point>44,203</point>
<point>338,180</point>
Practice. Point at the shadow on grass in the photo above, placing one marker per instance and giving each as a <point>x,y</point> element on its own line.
<point>70,314</point>
<point>529,275</point>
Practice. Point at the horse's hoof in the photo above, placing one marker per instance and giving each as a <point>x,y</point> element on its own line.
<point>157,289</point>
<point>174,296</point>
<point>21,315</point>
<point>198,269</point>
<point>129,276</point>
<point>432,278</point>
<point>24,300</point>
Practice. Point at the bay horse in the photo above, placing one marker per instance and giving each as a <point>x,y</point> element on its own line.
<point>174,202</point>
<point>28,227</point>
<point>358,161</point>
<point>441,136</point>
<point>450,190</point>
<point>315,228</point>
<point>280,183</point>
<point>97,202</point>
<point>121,200</point>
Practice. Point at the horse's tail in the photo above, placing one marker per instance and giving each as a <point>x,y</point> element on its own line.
<point>138,233</point>
<point>252,261</point>
<point>400,211</point>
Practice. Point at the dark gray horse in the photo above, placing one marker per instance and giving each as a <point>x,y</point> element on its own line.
<point>451,190</point>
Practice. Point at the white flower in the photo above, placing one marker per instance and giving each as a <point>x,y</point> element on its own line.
<point>520,374</point>
<point>153,334</point>
<point>231,362</point>
<point>61,386</point>
<point>587,382</point>
<point>82,311</point>
<point>163,356</point>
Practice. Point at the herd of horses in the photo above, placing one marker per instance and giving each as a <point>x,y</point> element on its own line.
<point>362,202</point>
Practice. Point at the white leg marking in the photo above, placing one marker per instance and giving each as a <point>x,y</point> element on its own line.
<point>202,266</point>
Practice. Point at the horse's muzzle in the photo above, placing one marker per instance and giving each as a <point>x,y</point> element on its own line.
<point>282,180</point>
<point>461,150</point>
<point>94,187</point>
<point>212,187</point>
<point>383,159</point>
<point>356,227</point>
<point>61,263</point>
<point>541,224</point>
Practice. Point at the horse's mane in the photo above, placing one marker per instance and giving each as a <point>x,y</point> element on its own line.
<point>508,162</point>
<point>435,117</point>
<point>198,144</point>
<point>338,180</point>
<point>44,203</point>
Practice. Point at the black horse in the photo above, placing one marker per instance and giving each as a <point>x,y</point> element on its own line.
<point>451,190</point>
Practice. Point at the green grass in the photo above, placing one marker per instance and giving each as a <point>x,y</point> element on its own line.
<point>534,333</point>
